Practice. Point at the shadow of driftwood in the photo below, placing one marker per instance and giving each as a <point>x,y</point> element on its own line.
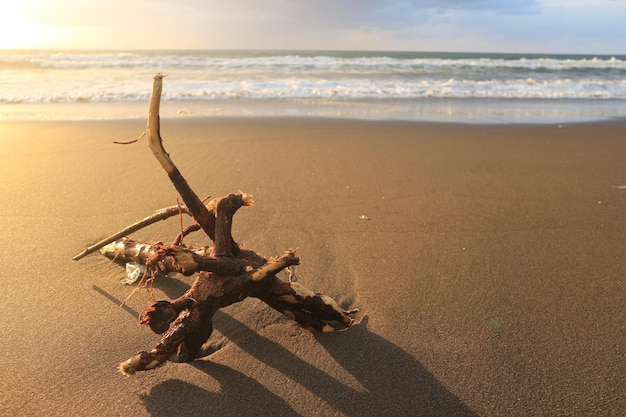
<point>239,395</point>
<point>395,383</point>
<point>172,287</point>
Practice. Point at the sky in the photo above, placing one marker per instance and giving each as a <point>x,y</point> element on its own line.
<point>516,26</point>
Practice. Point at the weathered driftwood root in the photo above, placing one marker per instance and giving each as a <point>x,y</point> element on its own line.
<point>161,214</point>
<point>186,323</point>
<point>226,273</point>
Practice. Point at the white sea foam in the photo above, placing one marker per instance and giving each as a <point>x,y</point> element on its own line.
<point>31,77</point>
<point>119,89</point>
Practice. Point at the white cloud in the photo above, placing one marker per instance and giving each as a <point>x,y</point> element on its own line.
<point>592,26</point>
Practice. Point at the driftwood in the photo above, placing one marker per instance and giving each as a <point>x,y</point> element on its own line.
<point>225,272</point>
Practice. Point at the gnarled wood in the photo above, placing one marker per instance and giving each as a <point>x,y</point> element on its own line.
<point>198,210</point>
<point>161,214</point>
<point>226,273</point>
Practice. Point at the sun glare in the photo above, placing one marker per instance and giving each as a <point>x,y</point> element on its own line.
<point>16,31</point>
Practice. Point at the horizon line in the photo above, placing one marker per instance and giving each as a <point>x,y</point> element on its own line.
<point>303,50</point>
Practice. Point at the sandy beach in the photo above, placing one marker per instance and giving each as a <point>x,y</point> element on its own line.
<point>489,271</point>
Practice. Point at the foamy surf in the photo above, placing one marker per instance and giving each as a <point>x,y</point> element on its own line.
<point>323,83</point>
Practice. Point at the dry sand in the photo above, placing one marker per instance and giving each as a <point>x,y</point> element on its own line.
<point>490,276</point>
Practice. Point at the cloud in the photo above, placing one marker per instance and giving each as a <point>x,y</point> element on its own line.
<point>498,6</point>
<point>358,13</point>
<point>454,25</point>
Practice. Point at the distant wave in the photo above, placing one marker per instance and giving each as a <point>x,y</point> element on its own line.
<point>301,62</point>
<point>96,76</point>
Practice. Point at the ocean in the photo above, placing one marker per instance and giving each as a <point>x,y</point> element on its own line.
<point>465,87</point>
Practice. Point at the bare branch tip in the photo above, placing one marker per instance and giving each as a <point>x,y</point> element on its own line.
<point>248,199</point>
<point>117,142</point>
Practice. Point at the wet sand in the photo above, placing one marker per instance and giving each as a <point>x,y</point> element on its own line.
<point>490,271</point>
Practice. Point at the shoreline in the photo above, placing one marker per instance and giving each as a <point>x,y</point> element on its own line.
<point>466,111</point>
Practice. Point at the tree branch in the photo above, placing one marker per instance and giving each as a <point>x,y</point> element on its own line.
<point>197,209</point>
<point>161,214</point>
